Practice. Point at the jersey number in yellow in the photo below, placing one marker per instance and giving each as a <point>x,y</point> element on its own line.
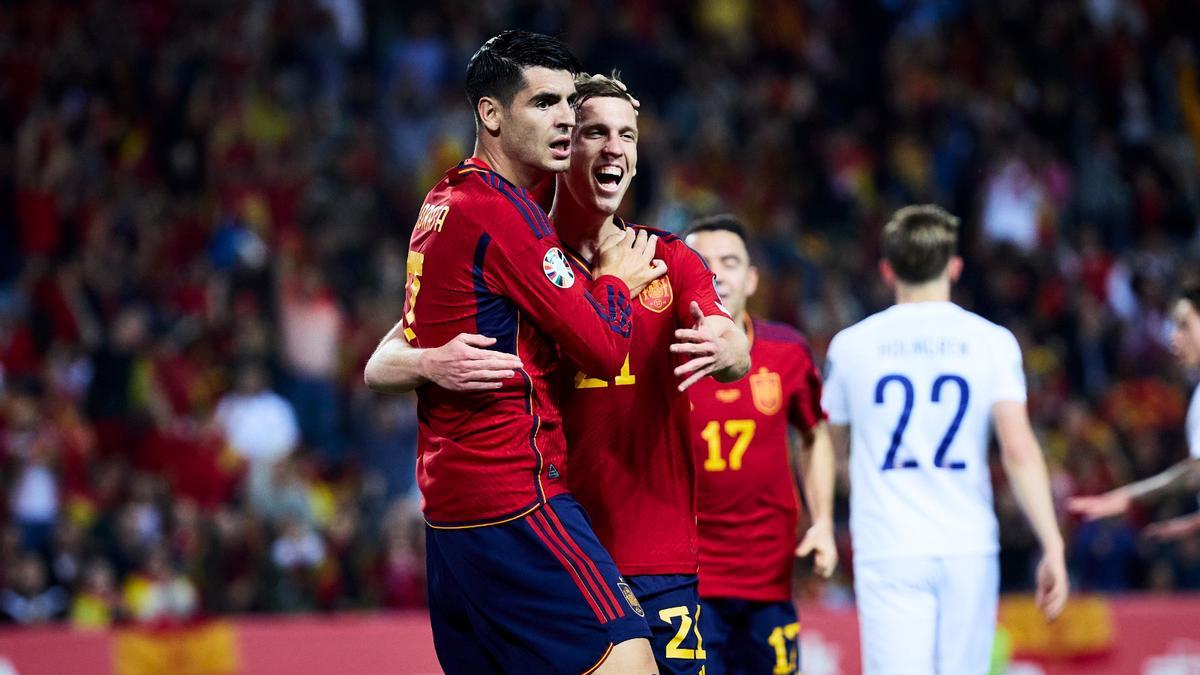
<point>674,651</point>
<point>583,381</point>
<point>742,431</point>
<point>416,265</point>
<point>782,639</point>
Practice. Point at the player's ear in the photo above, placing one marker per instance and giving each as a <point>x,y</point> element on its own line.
<point>888,274</point>
<point>751,280</point>
<point>954,268</point>
<point>489,111</point>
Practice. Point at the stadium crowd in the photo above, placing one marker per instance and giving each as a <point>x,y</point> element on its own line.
<point>205,208</point>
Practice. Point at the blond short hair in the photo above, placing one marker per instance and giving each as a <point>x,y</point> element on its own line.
<point>601,86</point>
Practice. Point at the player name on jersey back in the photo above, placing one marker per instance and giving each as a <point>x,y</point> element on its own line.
<point>916,383</point>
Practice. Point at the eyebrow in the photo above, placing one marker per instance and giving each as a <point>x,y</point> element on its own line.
<point>604,127</point>
<point>546,97</point>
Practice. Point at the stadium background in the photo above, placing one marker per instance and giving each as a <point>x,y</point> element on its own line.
<point>204,210</point>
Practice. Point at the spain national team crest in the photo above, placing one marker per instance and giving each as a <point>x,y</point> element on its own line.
<point>657,296</point>
<point>557,269</point>
<point>767,391</point>
<point>630,598</point>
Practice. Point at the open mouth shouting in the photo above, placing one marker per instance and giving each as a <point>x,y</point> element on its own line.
<point>608,177</point>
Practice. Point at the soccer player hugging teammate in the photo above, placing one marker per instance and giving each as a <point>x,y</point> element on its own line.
<point>629,436</point>
<point>518,582</point>
<point>914,391</point>
<point>747,498</point>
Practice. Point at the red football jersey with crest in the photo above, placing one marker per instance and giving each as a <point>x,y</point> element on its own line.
<point>483,258</point>
<point>629,436</point>
<point>747,501</point>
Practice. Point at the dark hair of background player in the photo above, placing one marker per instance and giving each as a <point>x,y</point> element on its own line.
<point>919,241</point>
<point>497,69</point>
<point>721,222</point>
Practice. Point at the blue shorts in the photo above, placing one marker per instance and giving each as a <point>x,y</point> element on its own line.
<point>534,595</point>
<point>746,637</point>
<point>672,605</point>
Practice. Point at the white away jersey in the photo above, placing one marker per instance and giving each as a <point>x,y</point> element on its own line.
<point>916,384</point>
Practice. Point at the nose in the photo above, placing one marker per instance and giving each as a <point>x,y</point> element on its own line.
<point>565,119</point>
<point>613,147</point>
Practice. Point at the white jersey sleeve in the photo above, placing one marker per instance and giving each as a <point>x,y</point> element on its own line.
<point>833,393</point>
<point>1009,382</point>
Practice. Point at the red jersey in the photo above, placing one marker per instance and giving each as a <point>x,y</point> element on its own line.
<point>483,258</point>
<point>746,494</point>
<point>630,436</point>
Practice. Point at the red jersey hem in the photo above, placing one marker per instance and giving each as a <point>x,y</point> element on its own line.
<point>708,590</point>
<point>658,568</point>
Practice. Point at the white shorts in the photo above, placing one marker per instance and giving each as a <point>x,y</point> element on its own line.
<point>920,616</point>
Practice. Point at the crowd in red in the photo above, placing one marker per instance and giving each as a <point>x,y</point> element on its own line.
<point>204,210</point>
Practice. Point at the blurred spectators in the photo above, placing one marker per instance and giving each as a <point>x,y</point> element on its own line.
<point>211,205</point>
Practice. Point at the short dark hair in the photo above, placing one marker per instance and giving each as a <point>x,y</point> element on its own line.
<point>721,222</point>
<point>918,242</point>
<point>497,69</point>
<point>1190,291</point>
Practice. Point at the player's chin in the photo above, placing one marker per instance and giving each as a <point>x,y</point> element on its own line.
<point>555,164</point>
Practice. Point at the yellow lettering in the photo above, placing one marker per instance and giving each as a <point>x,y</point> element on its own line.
<point>432,217</point>
<point>585,381</point>
<point>782,639</point>
<point>415,267</point>
<point>674,651</point>
<point>742,431</point>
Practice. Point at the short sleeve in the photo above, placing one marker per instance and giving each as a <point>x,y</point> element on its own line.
<point>1009,383</point>
<point>693,281</point>
<point>834,390</point>
<point>804,405</point>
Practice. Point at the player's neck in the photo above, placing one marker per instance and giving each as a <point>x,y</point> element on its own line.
<point>579,228</point>
<point>937,290</point>
<point>511,170</point>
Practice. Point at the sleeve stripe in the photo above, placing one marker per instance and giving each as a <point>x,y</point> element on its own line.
<point>528,211</point>
<point>620,311</point>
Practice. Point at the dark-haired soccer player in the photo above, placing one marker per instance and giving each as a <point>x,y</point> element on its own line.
<point>630,451</point>
<point>746,489</point>
<point>629,436</point>
<point>518,582</point>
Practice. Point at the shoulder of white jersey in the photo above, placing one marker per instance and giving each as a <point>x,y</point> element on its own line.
<point>862,326</point>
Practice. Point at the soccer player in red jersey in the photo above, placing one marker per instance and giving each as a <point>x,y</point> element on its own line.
<point>629,436</point>
<point>747,494</point>
<point>638,482</point>
<point>517,580</point>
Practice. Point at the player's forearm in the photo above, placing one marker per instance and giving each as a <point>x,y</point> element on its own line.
<point>395,367</point>
<point>1030,482</point>
<point>1171,480</point>
<point>819,476</point>
<point>738,346</point>
<point>1026,468</point>
<point>595,336</point>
